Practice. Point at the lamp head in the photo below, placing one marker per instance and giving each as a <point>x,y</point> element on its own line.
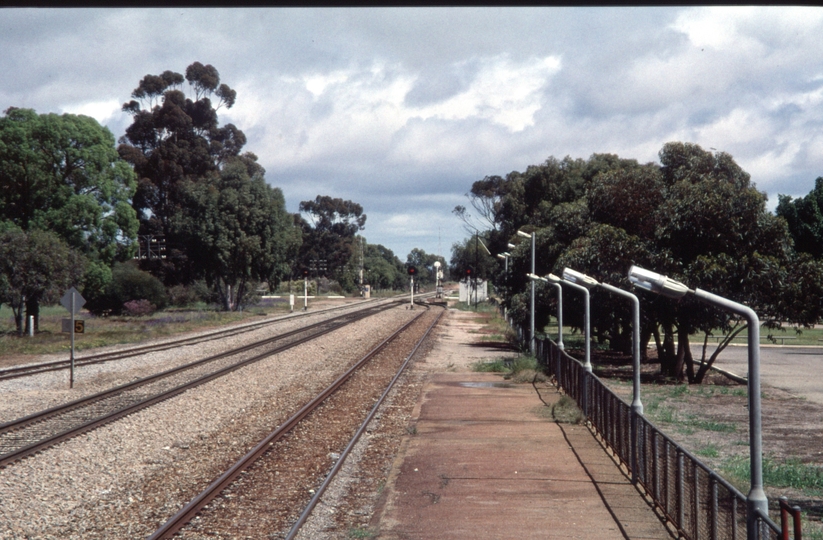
<point>511,246</point>
<point>501,256</point>
<point>578,278</point>
<point>524,235</point>
<point>535,277</point>
<point>553,279</point>
<point>656,283</point>
<point>506,254</point>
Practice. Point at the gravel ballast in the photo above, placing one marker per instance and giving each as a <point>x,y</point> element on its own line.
<point>125,479</point>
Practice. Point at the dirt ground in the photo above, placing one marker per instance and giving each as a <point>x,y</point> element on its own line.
<point>711,421</point>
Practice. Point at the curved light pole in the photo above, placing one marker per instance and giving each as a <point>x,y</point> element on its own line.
<point>637,405</point>
<point>582,283</point>
<point>756,500</point>
<point>531,326</point>
<point>505,257</point>
<point>554,280</point>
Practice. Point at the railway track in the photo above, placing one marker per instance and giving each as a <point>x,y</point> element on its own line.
<point>57,365</point>
<point>28,435</point>
<point>335,418</point>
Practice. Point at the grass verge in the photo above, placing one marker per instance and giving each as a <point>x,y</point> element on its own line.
<point>105,331</point>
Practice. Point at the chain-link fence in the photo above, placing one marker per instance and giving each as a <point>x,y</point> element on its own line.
<point>697,501</point>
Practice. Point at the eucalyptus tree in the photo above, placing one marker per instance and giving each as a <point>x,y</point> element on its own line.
<point>35,266</point>
<point>62,174</point>
<point>424,262</point>
<point>237,230</point>
<point>382,268</point>
<point>329,236</point>
<point>695,216</point>
<point>804,217</point>
<point>698,218</point>
<point>175,139</point>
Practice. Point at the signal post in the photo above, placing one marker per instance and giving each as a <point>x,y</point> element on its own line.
<point>412,272</point>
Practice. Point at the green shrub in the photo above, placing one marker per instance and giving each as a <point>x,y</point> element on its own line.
<point>128,283</point>
<point>181,296</point>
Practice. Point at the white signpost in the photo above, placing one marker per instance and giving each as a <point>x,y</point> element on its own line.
<point>72,301</point>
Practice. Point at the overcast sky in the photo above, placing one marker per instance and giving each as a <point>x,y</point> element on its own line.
<point>401,109</point>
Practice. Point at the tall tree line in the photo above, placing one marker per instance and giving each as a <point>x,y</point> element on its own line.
<point>696,217</point>
<point>74,206</point>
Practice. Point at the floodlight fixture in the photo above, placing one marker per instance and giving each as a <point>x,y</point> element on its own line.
<point>511,246</point>
<point>657,283</point>
<point>578,278</point>
<point>757,504</point>
<point>524,234</point>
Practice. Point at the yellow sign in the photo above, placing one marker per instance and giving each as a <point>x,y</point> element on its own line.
<point>79,326</point>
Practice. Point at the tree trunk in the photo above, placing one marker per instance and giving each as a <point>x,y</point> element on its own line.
<point>645,337</point>
<point>679,360</point>
<point>17,311</point>
<point>706,365</point>
<point>667,354</point>
<point>621,339</point>
<point>684,357</point>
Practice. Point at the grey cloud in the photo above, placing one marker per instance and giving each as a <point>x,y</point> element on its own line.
<point>436,85</point>
<point>601,100</point>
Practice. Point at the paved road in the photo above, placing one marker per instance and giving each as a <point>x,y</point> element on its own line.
<point>792,368</point>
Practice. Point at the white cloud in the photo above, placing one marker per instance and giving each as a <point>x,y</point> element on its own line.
<point>504,92</point>
<point>744,27</point>
<point>317,83</point>
<point>102,111</point>
<point>714,27</point>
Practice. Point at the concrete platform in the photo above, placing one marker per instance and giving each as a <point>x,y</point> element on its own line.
<point>487,462</point>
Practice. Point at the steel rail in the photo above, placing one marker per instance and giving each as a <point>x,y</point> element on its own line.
<point>187,513</point>
<point>57,365</point>
<point>7,426</point>
<point>343,455</point>
<point>65,434</point>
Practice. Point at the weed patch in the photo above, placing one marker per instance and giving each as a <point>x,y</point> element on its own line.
<point>566,411</point>
<point>496,366</point>
<point>710,450</point>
